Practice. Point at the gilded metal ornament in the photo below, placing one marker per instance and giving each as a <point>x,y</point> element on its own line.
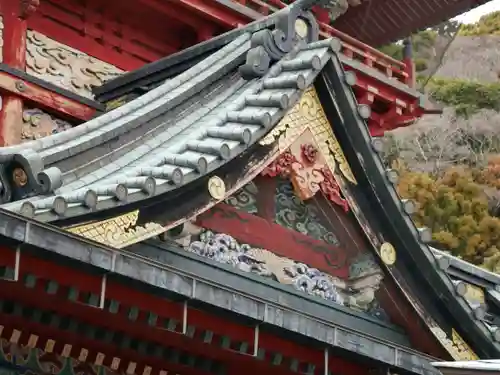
<point>217,188</point>
<point>388,253</point>
<point>20,177</point>
<point>455,346</point>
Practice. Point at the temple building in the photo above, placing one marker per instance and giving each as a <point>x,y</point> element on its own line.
<point>198,190</point>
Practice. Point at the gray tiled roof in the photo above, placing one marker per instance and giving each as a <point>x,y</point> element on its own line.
<point>172,135</point>
<point>463,274</point>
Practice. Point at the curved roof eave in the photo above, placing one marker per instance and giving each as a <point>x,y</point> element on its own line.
<point>391,20</point>
<point>406,237</point>
<point>175,134</point>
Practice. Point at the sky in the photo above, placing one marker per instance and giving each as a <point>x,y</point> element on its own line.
<point>475,14</point>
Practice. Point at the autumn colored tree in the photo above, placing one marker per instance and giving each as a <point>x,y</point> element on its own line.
<point>455,208</point>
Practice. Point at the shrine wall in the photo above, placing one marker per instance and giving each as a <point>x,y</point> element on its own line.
<point>65,66</point>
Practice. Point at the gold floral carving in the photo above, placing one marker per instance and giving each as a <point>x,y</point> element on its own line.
<point>455,346</point>
<point>308,113</point>
<point>466,352</point>
<point>38,124</point>
<point>118,232</point>
<point>64,66</point>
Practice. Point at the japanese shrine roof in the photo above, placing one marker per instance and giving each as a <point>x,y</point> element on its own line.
<point>479,287</point>
<point>210,112</point>
<point>383,21</point>
<point>174,134</point>
<point>211,284</point>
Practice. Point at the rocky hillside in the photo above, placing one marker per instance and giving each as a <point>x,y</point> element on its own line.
<point>466,81</point>
<point>472,58</point>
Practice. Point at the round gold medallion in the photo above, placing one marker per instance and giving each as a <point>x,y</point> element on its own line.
<point>301,28</point>
<point>217,188</point>
<point>388,253</point>
<point>20,177</point>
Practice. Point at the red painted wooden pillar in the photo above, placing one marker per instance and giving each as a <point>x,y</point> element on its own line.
<point>15,13</point>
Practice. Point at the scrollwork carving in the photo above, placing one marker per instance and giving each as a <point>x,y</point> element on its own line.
<point>245,199</point>
<point>356,292</point>
<point>120,231</point>
<point>64,66</point>
<point>38,124</point>
<point>270,46</point>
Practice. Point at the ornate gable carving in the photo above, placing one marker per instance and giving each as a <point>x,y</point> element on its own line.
<point>64,66</point>
<point>118,232</point>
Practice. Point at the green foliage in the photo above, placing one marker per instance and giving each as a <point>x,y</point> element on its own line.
<point>455,208</point>
<point>467,97</point>
<point>421,42</point>
<point>487,25</point>
<point>420,65</point>
<point>394,50</point>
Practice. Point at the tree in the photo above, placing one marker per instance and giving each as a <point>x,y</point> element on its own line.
<point>488,24</point>
<point>467,97</point>
<point>455,208</point>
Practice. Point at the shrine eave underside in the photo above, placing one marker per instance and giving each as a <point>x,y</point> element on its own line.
<point>383,21</point>
<point>212,284</point>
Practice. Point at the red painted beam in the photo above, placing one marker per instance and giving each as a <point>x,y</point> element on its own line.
<point>44,97</point>
<point>219,13</point>
<point>261,233</point>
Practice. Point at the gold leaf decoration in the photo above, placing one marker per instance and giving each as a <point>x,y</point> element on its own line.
<point>118,232</point>
<point>309,114</point>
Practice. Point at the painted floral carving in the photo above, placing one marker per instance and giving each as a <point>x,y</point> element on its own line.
<point>64,66</point>
<point>331,189</point>
<point>309,153</point>
<point>281,166</point>
<point>303,164</point>
<point>357,292</point>
<point>38,124</point>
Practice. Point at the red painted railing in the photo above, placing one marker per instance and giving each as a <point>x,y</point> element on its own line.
<point>351,47</point>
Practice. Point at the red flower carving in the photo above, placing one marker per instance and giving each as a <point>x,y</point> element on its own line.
<point>309,153</point>
<point>331,189</point>
<point>282,166</point>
